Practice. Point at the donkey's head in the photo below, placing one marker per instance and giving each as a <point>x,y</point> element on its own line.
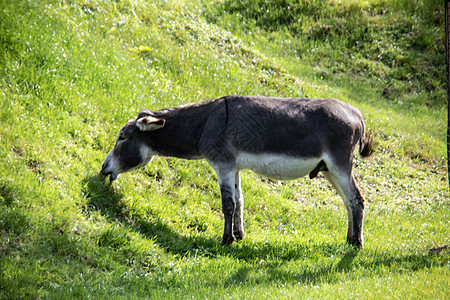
<point>132,149</point>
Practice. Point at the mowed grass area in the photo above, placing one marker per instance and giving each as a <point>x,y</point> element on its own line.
<point>73,72</point>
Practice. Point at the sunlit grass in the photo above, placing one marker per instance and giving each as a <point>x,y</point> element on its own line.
<point>72,73</point>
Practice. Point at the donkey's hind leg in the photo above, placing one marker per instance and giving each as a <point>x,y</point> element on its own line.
<point>345,184</point>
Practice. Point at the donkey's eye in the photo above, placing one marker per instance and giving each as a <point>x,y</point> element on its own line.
<point>122,137</point>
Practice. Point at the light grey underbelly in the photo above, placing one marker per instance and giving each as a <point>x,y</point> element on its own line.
<point>277,166</point>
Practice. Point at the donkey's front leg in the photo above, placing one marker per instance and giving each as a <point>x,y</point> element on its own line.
<point>238,227</point>
<point>226,177</point>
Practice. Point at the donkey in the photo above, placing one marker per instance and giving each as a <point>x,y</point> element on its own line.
<point>280,138</point>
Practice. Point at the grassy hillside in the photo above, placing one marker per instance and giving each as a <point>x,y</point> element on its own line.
<point>73,72</point>
<point>396,46</point>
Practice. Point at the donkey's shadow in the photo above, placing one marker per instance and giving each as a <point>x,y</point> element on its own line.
<point>103,197</point>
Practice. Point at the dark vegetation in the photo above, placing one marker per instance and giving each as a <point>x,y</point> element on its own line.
<point>399,46</point>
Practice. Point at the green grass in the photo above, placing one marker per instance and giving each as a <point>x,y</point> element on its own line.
<point>396,46</point>
<point>72,73</point>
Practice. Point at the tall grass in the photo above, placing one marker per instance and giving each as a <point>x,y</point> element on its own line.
<point>72,73</point>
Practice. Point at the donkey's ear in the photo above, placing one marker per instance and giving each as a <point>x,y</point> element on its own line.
<point>150,123</point>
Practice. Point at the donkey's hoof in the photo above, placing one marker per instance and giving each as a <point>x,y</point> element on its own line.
<point>357,243</point>
<point>228,240</point>
<point>239,235</point>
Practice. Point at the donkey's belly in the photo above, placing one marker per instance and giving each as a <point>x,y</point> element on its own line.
<point>277,166</point>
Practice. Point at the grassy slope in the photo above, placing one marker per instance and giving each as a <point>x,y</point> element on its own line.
<point>395,45</point>
<point>72,73</point>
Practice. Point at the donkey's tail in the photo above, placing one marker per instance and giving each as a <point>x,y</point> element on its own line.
<point>365,143</point>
